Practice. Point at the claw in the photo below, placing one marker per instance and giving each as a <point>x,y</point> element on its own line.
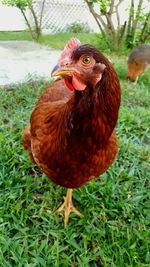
<point>68,207</point>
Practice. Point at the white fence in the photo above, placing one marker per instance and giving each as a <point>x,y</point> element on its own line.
<point>58,14</point>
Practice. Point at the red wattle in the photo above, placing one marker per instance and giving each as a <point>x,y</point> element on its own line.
<point>77,83</point>
<point>69,85</point>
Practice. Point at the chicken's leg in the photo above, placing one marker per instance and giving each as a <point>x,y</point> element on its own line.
<point>68,207</point>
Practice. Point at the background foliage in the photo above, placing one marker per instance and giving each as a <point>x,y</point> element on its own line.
<point>135,30</point>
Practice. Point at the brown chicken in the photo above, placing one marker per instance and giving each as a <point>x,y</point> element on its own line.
<point>71,133</point>
<point>138,61</point>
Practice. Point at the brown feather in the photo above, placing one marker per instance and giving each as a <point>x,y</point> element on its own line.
<point>72,136</point>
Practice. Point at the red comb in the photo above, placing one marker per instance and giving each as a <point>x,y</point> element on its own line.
<point>69,48</point>
<point>72,43</point>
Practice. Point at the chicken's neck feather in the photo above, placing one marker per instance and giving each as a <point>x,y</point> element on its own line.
<point>92,114</point>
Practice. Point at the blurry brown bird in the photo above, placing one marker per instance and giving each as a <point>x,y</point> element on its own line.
<point>71,133</point>
<point>138,61</point>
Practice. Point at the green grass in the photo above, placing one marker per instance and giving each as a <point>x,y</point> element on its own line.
<point>58,41</point>
<point>19,36</point>
<point>115,229</point>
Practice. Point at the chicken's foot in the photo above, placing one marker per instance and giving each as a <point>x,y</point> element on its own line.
<point>68,207</point>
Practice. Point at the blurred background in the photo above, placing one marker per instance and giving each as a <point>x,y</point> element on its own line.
<point>129,20</point>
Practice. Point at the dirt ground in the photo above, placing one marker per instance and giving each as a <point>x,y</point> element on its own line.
<point>22,60</point>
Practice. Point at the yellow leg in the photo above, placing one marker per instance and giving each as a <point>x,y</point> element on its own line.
<point>136,80</point>
<point>68,207</point>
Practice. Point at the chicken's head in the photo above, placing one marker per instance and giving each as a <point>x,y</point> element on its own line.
<point>79,65</point>
<point>134,70</point>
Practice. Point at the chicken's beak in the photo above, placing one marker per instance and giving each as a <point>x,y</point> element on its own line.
<point>61,71</point>
<point>54,69</point>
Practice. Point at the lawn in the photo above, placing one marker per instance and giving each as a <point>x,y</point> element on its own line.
<point>12,36</point>
<point>115,229</point>
<point>57,41</point>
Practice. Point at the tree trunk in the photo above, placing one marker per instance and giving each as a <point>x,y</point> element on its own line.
<point>145,32</point>
<point>129,27</point>
<point>118,15</point>
<point>107,29</point>
<point>41,15</point>
<point>28,24</point>
<point>136,19</point>
<point>112,30</point>
<point>37,26</point>
<point>121,33</point>
<point>96,17</point>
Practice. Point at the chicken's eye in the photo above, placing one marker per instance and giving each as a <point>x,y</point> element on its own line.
<point>86,60</point>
